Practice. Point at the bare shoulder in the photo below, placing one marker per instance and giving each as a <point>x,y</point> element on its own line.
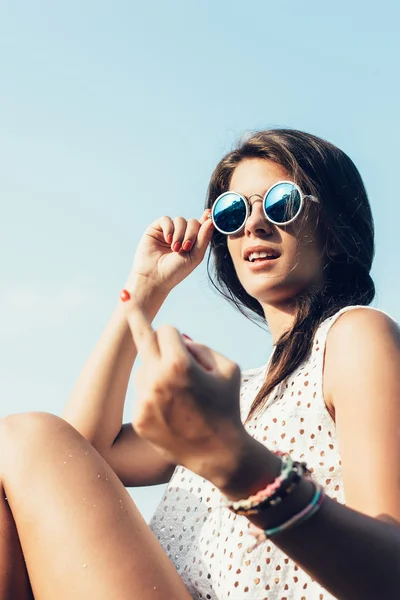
<point>362,343</point>
<point>360,324</point>
<point>362,391</point>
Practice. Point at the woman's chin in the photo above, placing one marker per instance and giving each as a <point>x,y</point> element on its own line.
<point>274,293</point>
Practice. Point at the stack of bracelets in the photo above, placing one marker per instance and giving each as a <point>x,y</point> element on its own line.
<point>291,473</point>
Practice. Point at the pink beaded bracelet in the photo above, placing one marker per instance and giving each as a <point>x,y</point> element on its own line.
<point>273,493</point>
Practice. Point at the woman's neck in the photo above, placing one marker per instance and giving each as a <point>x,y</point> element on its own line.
<point>280,319</point>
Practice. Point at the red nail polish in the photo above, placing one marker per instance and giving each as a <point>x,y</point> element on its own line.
<point>169,238</point>
<point>176,247</point>
<point>187,337</point>
<point>187,245</point>
<point>125,295</point>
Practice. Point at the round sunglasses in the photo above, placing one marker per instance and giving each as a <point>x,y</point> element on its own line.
<point>282,204</point>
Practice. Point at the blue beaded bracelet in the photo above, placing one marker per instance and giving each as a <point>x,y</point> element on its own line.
<point>303,515</point>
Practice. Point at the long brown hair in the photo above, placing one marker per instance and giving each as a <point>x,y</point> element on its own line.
<point>344,222</point>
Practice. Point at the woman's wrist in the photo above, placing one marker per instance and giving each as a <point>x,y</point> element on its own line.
<point>250,469</point>
<point>255,468</point>
<point>147,294</point>
<point>292,505</point>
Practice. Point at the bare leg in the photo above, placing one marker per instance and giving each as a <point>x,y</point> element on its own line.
<point>14,582</point>
<point>81,534</point>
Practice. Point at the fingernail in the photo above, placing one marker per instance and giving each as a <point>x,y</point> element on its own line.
<point>176,247</point>
<point>187,337</point>
<point>187,245</point>
<point>125,295</point>
<point>169,238</point>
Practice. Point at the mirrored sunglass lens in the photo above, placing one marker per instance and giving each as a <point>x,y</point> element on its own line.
<point>230,213</point>
<point>283,203</point>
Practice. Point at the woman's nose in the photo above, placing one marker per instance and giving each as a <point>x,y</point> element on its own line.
<point>256,223</point>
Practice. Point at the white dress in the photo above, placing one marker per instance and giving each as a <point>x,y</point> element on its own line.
<point>208,544</point>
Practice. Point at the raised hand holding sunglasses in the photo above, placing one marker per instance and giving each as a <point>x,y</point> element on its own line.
<point>169,250</point>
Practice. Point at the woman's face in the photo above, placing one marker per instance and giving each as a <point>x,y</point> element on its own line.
<point>295,260</point>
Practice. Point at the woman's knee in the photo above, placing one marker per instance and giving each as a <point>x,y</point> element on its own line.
<point>30,423</point>
<point>29,432</point>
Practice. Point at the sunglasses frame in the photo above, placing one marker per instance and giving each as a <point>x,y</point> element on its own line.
<point>248,206</point>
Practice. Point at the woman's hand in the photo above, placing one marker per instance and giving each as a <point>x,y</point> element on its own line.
<point>170,250</point>
<point>188,401</point>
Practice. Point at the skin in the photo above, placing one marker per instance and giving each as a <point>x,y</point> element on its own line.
<point>81,535</point>
<point>50,533</point>
<point>300,263</point>
<point>176,423</point>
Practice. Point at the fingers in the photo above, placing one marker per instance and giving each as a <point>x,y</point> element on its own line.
<point>178,351</point>
<point>203,355</point>
<point>211,360</point>
<point>184,235</point>
<point>180,225</point>
<point>166,341</point>
<point>144,336</point>
<point>205,216</point>
<point>167,227</point>
<point>190,237</point>
<point>192,233</point>
<point>204,236</point>
<point>173,348</point>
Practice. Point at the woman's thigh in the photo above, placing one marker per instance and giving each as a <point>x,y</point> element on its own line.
<point>14,582</point>
<point>81,534</point>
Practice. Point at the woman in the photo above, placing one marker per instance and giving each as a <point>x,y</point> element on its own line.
<point>292,243</point>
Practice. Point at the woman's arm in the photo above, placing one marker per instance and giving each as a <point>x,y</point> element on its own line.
<point>96,405</point>
<point>189,406</point>
<point>352,550</point>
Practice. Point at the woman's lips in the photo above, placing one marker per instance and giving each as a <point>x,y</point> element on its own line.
<point>262,264</point>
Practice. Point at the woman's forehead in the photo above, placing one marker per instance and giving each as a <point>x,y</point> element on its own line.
<point>256,176</point>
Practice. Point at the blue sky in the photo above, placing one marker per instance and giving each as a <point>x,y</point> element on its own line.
<point>114,113</point>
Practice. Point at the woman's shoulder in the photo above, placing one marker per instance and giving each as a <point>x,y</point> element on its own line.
<point>359,321</point>
<point>350,320</point>
<point>361,339</point>
<point>362,356</point>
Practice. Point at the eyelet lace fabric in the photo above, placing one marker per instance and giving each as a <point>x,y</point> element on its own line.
<point>211,547</point>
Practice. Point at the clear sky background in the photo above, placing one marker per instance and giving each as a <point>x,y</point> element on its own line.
<point>114,113</point>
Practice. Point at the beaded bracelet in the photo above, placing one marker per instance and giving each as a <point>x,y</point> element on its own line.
<point>255,500</point>
<point>287,486</point>
<point>275,492</point>
<point>301,516</point>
